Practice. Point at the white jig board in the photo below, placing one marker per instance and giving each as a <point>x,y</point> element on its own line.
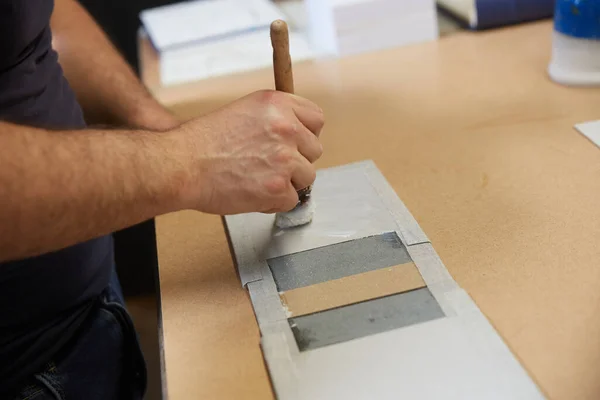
<point>458,356</point>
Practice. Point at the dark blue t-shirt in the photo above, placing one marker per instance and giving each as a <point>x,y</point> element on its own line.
<point>45,299</point>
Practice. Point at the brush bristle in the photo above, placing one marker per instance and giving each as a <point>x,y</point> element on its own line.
<point>301,215</point>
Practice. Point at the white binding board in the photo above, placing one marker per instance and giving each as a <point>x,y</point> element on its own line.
<point>456,356</point>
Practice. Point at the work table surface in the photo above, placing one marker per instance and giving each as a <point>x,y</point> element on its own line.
<point>480,146</point>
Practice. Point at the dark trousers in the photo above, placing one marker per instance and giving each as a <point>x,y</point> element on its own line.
<point>103,362</point>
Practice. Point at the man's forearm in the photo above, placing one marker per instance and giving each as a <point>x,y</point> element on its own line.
<point>58,188</point>
<point>106,87</point>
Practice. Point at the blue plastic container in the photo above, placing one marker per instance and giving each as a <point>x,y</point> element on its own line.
<point>576,43</point>
<point>578,18</point>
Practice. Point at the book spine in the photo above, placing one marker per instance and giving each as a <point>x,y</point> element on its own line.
<point>495,13</point>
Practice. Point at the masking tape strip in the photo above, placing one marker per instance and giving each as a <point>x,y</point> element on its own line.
<point>436,276</point>
<point>266,302</point>
<point>277,339</point>
<point>280,350</point>
<point>245,256</point>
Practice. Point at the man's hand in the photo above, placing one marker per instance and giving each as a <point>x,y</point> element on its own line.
<point>252,155</point>
<point>65,187</point>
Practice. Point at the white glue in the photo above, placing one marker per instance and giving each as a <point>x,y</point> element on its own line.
<point>301,215</point>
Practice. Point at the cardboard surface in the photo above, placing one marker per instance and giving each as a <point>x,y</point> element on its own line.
<point>352,289</point>
<point>210,333</point>
<point>479,144</point>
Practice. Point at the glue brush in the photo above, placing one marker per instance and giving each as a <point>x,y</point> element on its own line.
<point>284,81</point>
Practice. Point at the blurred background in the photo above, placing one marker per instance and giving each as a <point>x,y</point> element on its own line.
<point>200,39</point>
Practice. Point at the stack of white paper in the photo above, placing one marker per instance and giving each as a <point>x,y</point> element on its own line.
<point>226,56</point>
<point>342,27</point>
<point>206,38</point>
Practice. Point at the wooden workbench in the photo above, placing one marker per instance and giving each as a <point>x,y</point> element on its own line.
<point>480,146</point>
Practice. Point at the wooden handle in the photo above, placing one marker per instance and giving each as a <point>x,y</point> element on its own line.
<point>284,77</point>
<point>282,62</point>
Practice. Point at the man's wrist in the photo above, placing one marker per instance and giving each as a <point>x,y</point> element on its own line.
<point>169,166</point>
<point>187,145</point>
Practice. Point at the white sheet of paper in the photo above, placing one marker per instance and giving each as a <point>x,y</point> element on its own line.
<point>590,130</point>
<point>202,20</point>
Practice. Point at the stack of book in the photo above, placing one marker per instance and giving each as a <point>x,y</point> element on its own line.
<point>343,27</point>
<point>483,14</point>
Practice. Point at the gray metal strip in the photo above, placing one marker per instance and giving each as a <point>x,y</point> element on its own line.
<point>337,261</point>
<point>366,318</point>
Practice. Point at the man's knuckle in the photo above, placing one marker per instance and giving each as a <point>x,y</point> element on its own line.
<point>276,184</point>
<point>290,201</point>
<point>312,175</point>
<point>267,95</point>
<point>318,151</point>
<point>281,126</point>
<point>272,97</point>
<point>283,157</point>
<point>321,122</point>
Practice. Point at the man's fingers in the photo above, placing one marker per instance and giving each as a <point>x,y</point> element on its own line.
<point>302,102</point>
<point>308,145</point>
<point>287,201</point>
<point>304,175</point>
<point>300,130</point>
<point>309,114</point>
